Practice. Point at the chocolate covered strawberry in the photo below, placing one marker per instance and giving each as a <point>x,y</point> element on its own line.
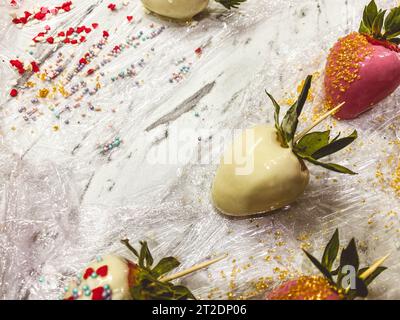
<point>115,278</point>
<point>363,68</point>
<point>346,282</point>
<point>184,9</point>
<point>265,167</point>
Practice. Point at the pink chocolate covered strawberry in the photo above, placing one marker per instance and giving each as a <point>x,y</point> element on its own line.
<point>346,282</point>
<point>364,68</point>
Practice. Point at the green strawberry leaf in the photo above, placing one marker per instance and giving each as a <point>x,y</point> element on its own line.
<point>182,293</point>
<point>349,256</point>
<point>312,142</point>
<point>361,290</point>
<point>393,37</point>
<point>147,285</point>
<point>289,124</point>
<point>276,118</point>
<point>291,119</point>
<point>395,41</point>
<point>229,4</point>
<point>378,24</point>
<point>149,288</point>
<point>335,272</point>
<point>335,146</point>
<point>145,257</point>
<point>390,19</point>
<point>313,145</point>
<point>319,266</point>
<point>330,166</point>
<point>370,13</point>
<point>165,265</point>
<point>331,251</point>
<point>130,248</point>
<point>392,23</point>
<point>363,28</point>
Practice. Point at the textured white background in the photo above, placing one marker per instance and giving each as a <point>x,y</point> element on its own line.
<point>63,202</point>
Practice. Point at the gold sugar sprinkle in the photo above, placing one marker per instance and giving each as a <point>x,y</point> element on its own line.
<point>43,93</point>
<point>307,288</point>
<point>343,67</point>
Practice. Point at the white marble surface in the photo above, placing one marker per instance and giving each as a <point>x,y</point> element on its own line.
<point>64,201</point>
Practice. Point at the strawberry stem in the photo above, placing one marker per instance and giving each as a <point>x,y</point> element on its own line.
<point>377,24</point>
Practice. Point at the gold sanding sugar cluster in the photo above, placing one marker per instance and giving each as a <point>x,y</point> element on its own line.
<point>343,66</point>
<point>388,171</point>
<point>395,183</point>
<point>308,288</point>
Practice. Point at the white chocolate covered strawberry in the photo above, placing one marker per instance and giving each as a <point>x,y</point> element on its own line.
<point>116,278</point>
<point>109,277</point>
<point>184,9</point>
<point>275,179</point>
<point>265,169</point>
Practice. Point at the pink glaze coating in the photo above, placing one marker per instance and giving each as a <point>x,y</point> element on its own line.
<point>378,77</point>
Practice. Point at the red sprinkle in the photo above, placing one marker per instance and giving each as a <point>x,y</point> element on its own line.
<point>198,51</point>
<point>35,67</point>
<point>102,271</point>
<point>13,93</point>
<point>82,39</point>
<point>50,40</point>
<point>97,293</point>
<point>95,25</point>
<point>88,273</point>
<point>83,61</point>
<point>66,6</point>
<point>129,18</point>
<point>90,71</point>
<point>111,6</point>
<point>80,29</point>
<point>18,65</point>
<point>40,16</point>
<point>106,34</point>
<point>70,31</point>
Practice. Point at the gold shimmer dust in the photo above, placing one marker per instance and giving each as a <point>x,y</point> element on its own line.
<point>308,288</point>
<point>343,66</point>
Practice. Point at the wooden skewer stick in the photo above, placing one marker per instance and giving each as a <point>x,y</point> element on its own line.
<point>372,268</point>
<point>317,122</point>
<point>192,269</point>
